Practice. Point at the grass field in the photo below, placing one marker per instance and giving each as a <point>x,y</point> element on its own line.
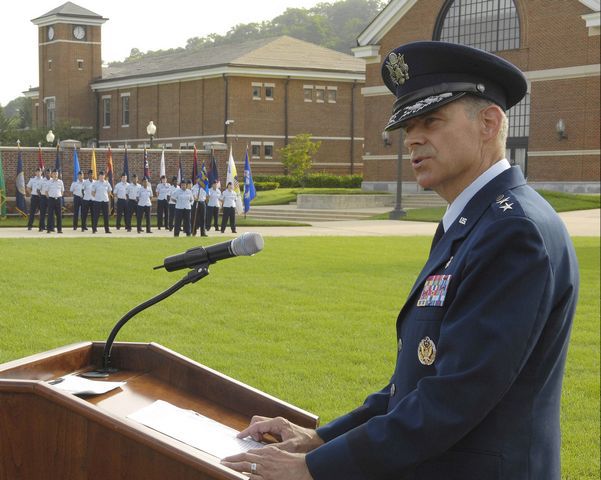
<point>310,326</point>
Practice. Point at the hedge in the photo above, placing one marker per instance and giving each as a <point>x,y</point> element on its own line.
<point>313,180</point>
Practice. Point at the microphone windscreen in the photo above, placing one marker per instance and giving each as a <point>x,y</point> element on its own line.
<point>247,244</point>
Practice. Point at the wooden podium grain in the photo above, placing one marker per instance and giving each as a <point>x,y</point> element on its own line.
<point>47,434</point>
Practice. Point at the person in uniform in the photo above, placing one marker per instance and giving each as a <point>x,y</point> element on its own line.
<point>54,190</point>
<point>87,206</point>
<point>483,336</point>
<point>34,189</point>
<point>100,191</point>
<point>144,205</point>
<point>229,197</point>
<point>120,191</point>
<point>132,201</point>
<point>213,206</point>
<point>184,198</point>
<point>199,209</point>
<point>44,200</point>
<point>77,191</point>
<point>173,191</point>
<point>163,190</point>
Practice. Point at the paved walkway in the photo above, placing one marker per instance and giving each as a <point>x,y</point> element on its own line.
<point>585,223</point>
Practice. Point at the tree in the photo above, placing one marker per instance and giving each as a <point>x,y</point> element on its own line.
<point>297,156</point>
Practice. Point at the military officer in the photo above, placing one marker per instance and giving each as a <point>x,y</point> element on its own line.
<point>44,199</point>
<point>144,205</point>
<point>184,198</point>
<point>483,336</point>
<point>173,192</point>
<point>100,191</point>
<point>87,206</point>
<point>120,191</point>
<point>54,190</point>
<point>163,190</point>
<point>213,206</point>
<point>77,191</point>
<point>199,209</point>
<point>34,189</point>
<point>132,201</point>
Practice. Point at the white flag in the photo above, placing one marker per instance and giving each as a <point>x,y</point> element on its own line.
<point>162,169</point>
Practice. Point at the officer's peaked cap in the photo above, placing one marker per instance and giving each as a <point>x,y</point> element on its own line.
<point>427,75</point>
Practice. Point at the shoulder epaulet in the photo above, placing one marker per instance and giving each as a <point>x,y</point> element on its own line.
<point>506,204</point>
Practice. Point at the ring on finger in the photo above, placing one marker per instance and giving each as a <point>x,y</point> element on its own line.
<point>253,468</point>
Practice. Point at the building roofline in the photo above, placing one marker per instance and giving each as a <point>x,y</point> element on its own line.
<point>384,21</point>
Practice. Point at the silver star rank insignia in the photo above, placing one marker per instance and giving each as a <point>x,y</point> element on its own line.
<point>502,199</point>
<point>506,207</point>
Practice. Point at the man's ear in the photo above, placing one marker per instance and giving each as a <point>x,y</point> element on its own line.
<point>491,120</point>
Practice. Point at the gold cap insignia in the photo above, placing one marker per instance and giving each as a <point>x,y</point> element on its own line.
<point>398,69</point>
<point>426,351</point>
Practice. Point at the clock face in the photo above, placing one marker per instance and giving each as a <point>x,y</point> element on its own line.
<point>79,32</point>
<point>50,33</point>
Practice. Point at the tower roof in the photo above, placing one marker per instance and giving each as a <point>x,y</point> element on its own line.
<point>71,13</point>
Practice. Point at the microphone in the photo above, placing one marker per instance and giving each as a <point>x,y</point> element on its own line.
<point>246,244</point>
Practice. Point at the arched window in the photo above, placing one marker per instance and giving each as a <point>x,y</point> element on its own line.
<point>490,25</point>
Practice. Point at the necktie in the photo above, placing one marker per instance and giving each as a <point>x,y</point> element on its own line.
<point>437,236</point>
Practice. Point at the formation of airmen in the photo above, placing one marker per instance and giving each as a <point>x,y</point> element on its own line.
<point>184,205</point>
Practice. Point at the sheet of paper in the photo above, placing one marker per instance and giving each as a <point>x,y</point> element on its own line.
<point>193,429</point>
<point>82,386</point>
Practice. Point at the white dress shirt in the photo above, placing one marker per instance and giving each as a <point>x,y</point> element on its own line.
<point>132,190</point>
<point>35,185</point>
<point>184,199</point>
<point>229,198</point>
<point>214,196</point>
<point>144,196</point>
<point>173,192</point>
<point>101,190</point>
<point>163,191</point>
<point>77,188</point>
<point>120,190</point>
<point>87,189</point>
<point>54,188</point>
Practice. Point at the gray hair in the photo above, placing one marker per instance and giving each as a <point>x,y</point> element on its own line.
<point>474,105</point>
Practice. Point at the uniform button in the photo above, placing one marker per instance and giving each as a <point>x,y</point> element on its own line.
<point>392,390</point>
<point>400,346</point>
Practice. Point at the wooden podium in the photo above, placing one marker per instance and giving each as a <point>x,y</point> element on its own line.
<point>48,434</point>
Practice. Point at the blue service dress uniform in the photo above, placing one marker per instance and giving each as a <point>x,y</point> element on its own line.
<point>482,342</point>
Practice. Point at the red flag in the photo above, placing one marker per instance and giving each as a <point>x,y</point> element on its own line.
<point>195,165</point>
<point>109,166</point>
<point>146,167</point>
<point>40,158</point>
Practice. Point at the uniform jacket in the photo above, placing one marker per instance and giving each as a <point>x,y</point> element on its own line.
<point>476,389</point>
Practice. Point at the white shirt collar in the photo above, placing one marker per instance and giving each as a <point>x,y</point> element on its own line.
<point>464,197</point>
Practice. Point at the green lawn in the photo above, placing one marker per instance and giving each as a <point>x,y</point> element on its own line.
<point>310,327</point>
<point>283,196</point>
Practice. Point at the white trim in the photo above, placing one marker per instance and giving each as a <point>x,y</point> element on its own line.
<point>125,94</point>
<point>308,87</point>
<point>31,94</point>
<point>230,71</point>
<point>269,85</point>
<point>80,42</point>
<point>268,143</point>
<point>49,98</point>
<point>366,51</point>
<point>106,96</point>
<point>56,18</point>
<point>375,91</point>
<point>578,71</point>
<point>385,20</point>
<point>593,23</point>
<point>331,88</point>
<point>368,157</point>
<point>563,153</point>
<point>594,5</point>
<point>256,84</point>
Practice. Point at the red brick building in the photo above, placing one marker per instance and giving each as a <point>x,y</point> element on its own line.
<point>554,132</point>
<point>259,94</point>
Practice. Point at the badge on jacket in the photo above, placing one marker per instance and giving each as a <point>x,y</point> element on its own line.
<point>435,291</point>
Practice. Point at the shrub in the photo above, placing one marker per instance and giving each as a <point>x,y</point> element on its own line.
<point>313,180</point>
<point>262,186</point>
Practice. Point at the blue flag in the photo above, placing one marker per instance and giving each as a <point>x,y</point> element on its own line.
<point>204,177</point>
<point>76,168</point>
<point>20,184</point>
<point>126,165</point>
<point>249,185</point>
<point>213,172</point>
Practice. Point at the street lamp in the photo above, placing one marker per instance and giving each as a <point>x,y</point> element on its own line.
<point>398,211</point>
<point>151,129</point>
<point>227,125</point>
<point>50,137</point>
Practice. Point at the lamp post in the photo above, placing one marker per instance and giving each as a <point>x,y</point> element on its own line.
<point>50,137</point>
<point>560,128</point>
<point>227,125</point>
<point>398,211</point>
<point>151,129</point>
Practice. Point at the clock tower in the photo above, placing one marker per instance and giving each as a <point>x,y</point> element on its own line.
<point>69,60</point>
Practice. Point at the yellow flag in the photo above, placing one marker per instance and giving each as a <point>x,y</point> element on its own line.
<point>93,166</point>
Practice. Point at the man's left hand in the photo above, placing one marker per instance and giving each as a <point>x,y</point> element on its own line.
<point>270,463</point>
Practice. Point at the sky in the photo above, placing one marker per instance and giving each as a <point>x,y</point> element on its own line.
<point>146,25</point>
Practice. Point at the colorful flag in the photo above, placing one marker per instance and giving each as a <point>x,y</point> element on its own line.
<point>249,185</point>
<point>109,166</point>
<point>204,177</point>
<point>40,157</point>
<point>2,190</point>
<point>93,166</point>
<point>126,164</point>
<point>179,172</point>
<point>213,172</point>
<point>146,167</point>
<point>162,167</point>
<point>20,184</point>
<point>195,165</point>
<point>232,173</point>
<point>76,168</point>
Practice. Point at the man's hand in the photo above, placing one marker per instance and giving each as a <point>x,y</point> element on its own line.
<point>290,437</point>
<point>269,463</point>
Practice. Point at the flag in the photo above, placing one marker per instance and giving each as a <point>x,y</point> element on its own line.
<point>76,168</point>
<point>109,166</point>
<point>126,164</point>
<point>213,172</point>
<point>20,184</point>
<point>162,168</point>
<point>2,190</point>
<point>146,167</point>
<point>249,185</point>
<point>57,163</point>
<point>179,172</point>
<point>232,173</point>
<point>204,177</point>
<point>93,166</point>
<point>40,158</point>
<point>195,165</point>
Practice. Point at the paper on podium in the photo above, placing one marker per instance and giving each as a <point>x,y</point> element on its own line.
<point>82,386</point>
<point>193,429</point>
